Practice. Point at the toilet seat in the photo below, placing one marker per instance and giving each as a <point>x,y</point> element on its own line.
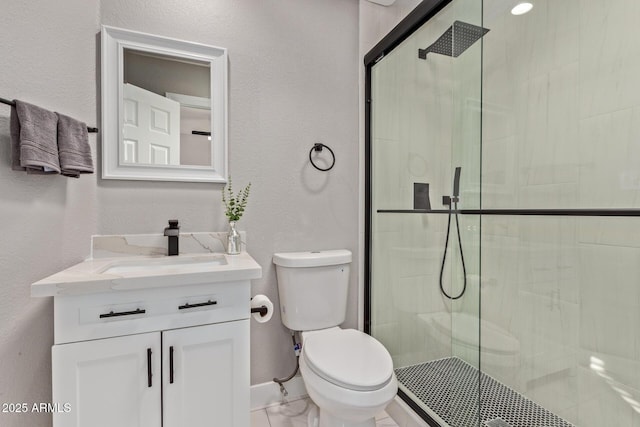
<point>348,358</point>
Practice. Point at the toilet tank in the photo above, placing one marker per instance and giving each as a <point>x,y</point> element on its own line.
<point>313,288</point>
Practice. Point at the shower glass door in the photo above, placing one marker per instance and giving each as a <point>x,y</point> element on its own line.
<point>425,122</point>
<point>541,114</point>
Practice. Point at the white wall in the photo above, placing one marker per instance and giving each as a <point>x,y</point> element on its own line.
<point>376,21</point>
<point>293,82</point>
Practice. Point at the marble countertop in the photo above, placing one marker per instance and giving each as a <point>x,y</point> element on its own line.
<point>93,275</point>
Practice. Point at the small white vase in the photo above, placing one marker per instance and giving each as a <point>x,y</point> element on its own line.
<point>234,242</point>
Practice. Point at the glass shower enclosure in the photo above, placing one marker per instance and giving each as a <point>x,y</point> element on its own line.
<point>425,167</point>
<point>502,214</point>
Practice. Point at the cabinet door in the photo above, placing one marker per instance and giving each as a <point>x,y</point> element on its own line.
<point>209,383</point>
<point>107,382</point>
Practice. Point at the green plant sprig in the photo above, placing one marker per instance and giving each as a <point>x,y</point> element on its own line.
<point>235,204</point>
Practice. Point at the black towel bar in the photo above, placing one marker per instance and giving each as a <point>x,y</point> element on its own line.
<point>8,102</point>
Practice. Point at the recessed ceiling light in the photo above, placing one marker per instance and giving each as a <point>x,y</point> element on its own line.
<point>522,8</point>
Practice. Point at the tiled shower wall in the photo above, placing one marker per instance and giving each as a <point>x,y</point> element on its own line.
<point>412,143</point>
<point>426,121</point>
<point>561,129</point>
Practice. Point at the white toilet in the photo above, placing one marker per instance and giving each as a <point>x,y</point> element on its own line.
<point>348,373</point>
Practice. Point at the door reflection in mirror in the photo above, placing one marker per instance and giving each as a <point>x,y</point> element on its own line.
<point>167,110</point>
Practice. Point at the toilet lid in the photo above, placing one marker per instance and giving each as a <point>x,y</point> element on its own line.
<point>349,359</point>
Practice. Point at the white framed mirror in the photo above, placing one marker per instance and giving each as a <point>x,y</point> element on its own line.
<point>164,108</point>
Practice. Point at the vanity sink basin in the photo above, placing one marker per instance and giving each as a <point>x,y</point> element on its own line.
<point>143,272</point>
<point>164,265</point>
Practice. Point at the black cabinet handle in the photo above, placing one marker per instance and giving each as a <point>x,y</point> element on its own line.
<point>149,374</point>
<point>201,304</point>
<point>171,365</point>
<point>123,313</point>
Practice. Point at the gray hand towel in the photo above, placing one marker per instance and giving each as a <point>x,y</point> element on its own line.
<point>38,140</point>
<point>14,130</point>
<point>73,146</point>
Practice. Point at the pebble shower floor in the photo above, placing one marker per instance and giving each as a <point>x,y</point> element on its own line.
<point>450,388</point>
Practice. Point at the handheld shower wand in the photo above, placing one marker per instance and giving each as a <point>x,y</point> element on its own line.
<point>456,184</point>
<point>453,201</point>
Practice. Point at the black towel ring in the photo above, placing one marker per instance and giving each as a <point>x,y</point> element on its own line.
<point>318,147</point>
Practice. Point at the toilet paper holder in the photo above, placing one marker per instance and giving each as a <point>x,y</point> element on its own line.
<point>262,310</point>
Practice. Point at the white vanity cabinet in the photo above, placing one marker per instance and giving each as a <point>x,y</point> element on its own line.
<point>209,382</point>
<point>202,372</point>
<point>105,382</point>
<point>153,351</point>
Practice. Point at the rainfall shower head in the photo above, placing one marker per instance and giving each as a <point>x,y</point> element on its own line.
<point>458,38</point>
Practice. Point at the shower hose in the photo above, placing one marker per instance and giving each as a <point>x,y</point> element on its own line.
<point>444,256</point>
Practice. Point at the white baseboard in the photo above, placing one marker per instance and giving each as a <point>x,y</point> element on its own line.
<point>267,394</point>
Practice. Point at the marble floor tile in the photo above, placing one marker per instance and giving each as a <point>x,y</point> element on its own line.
<point>386,422</point>
<point>294,414</point>
<point>259,418</point>
<point>381,416</point>
<point>291,414</point>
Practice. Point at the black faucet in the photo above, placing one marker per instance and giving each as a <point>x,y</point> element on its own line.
<point>172,232</point>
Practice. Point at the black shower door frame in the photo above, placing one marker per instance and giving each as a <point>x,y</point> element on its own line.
<point>411,23</point>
